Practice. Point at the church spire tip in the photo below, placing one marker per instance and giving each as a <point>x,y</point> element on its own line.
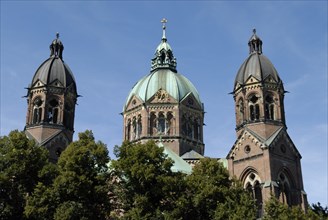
<point>164,21</point>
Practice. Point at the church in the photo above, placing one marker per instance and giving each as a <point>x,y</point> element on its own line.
<point>165,106</point>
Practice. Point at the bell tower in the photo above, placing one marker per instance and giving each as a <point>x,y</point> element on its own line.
<point>264,157</point>
<point>51,100</point>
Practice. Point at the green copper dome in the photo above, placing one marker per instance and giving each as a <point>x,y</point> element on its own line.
<point>164,76</point>
<point>175,84</point>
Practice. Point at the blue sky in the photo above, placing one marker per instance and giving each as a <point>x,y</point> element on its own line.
<point>109,45</point>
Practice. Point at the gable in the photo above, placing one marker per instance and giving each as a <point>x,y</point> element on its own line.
<point>56,83</point>
<point>251,79</point>
<point>162,96</point>
<point>38,83</point>
<point>190,101</point>
<point>246,146</point>
<point>133,103</point>
<point>282,145</point>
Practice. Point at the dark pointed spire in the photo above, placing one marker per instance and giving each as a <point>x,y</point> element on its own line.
<point>164,55</point>
<point>255,43</point>
<point>56,47</point>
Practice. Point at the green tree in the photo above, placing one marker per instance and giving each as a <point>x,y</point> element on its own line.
<point>22,165</point>
<point>214,195</point>
<point>275,210</point>
<point>319,210</point>
<point>147,188</point>
<point>80,189</point>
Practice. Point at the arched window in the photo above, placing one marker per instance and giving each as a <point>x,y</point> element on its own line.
<point>53,111</point>
<point>269,108</point>
<point>128,130</point>
<point>284,189</point>
<point>37,111</point>
<point>254,109</point>
<point>170,124</point>
<point>68,116</point>
<point>139,127</point>
<point>196,129</point>
<point>134,128</point>
<point>241,111</point>
<point>252,184</point>
<point>152,123</point>
<point>161,125</point>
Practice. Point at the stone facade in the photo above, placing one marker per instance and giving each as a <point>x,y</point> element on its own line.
<point>51,100</point>
<point>264,157</point>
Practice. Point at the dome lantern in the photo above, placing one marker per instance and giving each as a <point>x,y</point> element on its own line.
<point>255,43</point>
<point>56,48</point>
<point>164,57</point>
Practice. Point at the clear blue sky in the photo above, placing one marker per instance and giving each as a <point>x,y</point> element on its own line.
<point>109,45</point>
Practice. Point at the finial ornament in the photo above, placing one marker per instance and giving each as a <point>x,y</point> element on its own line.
<point>56,48</point>
<point>164,21</point>
<point>255,43</point>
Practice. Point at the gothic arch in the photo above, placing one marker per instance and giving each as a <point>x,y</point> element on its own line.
<point>37,110</point>
<point>53,110</point>
<point>270,107</point>
<point>240,110</point>
<point>253,106</point>
<point>286,185</point>
<point>253,184</point>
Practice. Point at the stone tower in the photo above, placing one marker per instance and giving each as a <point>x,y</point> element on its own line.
<point>165,106</point>
<point>51,99</point>
<point>264,157</point>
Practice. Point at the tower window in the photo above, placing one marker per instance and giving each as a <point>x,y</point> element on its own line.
<point>53,111</point>
<point>241,111</point>
<point>37,111</point>
<point>269,107</point>
<point>254,108</point>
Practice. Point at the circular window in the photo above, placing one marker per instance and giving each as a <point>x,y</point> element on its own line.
<point>134,102</point>
<point>247,149</point>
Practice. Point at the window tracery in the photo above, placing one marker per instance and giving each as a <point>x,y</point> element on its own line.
<point>253,185</point>
<point>284,189</point>
<point>269,107</point>
<point>254,108</point>
<point>53,111</point>
<point>37,111</point>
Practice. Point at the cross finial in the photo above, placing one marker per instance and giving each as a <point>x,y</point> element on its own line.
<point>57,35</point>
<point>164,21</point>
<point>254,30</point>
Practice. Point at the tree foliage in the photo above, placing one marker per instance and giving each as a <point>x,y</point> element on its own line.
<point>79,191</point>
<point>23,164</point>
<point>319,210</point>
<point>148,189</point>
<point>275,210</point>
<point>214,195</point>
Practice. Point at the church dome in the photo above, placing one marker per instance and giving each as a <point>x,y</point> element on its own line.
<point>175,84</point>
<point>256,65</point>
<point>54,71</point>
<point>164,76</point>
